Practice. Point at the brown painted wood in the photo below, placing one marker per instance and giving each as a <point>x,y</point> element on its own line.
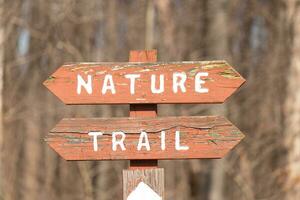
<point>143,164</point>
<point>143,110</point>
<point>222,81</point>
<point>143,55</point>
<point>207,137</point>
<point>154,178</point>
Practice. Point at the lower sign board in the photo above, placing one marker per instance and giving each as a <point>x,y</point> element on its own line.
<point>143,138</point>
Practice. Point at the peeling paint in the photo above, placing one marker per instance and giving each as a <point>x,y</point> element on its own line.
<point>208,79</point>
<point>83,68</point>
<point>145,70</point>
<point>229,73</point>
<point>75,139</point>
<point>101,72</point>
<point>117,67</point>
<point>235,132</point>
<point>214,135</point>
<point>50,79</point>
<point>212,141</point>
<point>214,66</point>
<point>192,72</point>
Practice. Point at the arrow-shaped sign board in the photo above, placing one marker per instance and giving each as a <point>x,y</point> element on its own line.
<point>143,83</point>
<point>143,138</point>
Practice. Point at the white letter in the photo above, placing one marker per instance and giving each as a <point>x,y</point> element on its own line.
<point>179,83</point>
<point>141,143</point>
<point>163,140</point>
<point>111,86</point>
<point>198,82</point>
<point>132,78</point>
<point>177,142</point>
<point>161,84</point>
<point>95,142</point>
<point>119,142</point>
<point>81,83</point>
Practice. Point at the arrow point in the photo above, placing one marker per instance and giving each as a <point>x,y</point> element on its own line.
<point>143,191</point>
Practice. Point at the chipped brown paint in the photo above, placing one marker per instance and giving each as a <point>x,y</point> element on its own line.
<point>207,137</point>
<point>222,81</point>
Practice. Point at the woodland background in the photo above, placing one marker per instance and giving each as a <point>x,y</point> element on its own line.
<point>261,38</point>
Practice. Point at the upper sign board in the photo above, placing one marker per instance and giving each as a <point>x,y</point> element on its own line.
<point>142,83</point>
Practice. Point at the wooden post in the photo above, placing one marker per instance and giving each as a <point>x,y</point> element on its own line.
<point>142,172</point>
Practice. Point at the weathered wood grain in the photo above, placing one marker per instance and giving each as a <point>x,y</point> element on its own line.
<point>207,137</point>
<point>222,81</point>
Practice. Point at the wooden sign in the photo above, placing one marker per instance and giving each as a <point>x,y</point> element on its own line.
<point>143,138</point>
<point>144,83</point>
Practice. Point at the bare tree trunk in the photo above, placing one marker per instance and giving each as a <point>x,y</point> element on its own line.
<point>218,50</point>
<point>11,156</point>
<point>167,25</point>
<point>185,29</point>
<point>260,51</point>
<point>1,92</point>
<point>150,25</point>
<point>292,105</point>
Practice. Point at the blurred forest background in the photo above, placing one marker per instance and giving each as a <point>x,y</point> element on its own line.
<point>261,38</point>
